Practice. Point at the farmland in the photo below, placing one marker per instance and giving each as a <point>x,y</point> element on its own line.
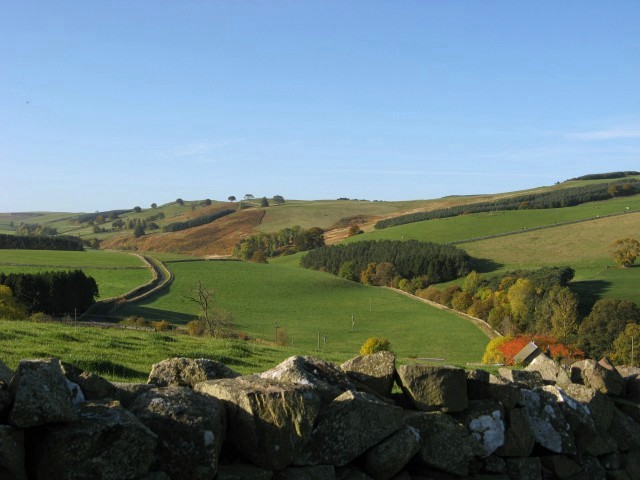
<point>115,273</point>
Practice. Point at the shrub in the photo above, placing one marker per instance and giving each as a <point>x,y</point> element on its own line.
<point>375,344</point>
<point>135,321</point>
<point>162,326</point>
<point>196,328</point>
<point>492,353</point>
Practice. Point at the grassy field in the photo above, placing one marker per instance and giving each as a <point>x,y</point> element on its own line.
<point>127,355</point>
<point>116,273</point>
<point>305,303</point>
<point>483,224</point>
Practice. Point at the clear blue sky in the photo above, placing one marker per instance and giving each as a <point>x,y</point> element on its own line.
<point>112,104</point>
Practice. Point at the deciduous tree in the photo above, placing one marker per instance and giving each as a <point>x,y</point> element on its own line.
<point>625,251</point>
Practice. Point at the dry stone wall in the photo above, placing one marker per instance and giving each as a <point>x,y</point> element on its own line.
<point>307,419</point>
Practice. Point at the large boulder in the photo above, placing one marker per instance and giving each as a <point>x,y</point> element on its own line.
<point>549,426</point>
<point>324,377</point>
<point>589,413</point>
<point>391,455</point>
<point>549,370</point>
<point>519,439</point>
<point>434,387</point>
<point>107,442</point>
<point>632,387</point>
<point>485,419</point>
<point>376,371</point>
<point>522,378</point>
<point>593,374</point>
<point>494,388</point>
<point>94,387</point>
<point>445,443</point>
<point>126,393</point>
<point>187,372</point>
<point>268,421</point>
<point>191,429</point>
<point>349,426</point>
<point>625,431</point>
<point>12,464</point>
<point>41,394</point>
<point>561,466</point>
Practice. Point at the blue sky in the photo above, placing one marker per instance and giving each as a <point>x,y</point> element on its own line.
<point>114,104</point>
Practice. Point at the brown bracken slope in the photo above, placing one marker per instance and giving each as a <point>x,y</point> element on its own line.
<point>215,238</point>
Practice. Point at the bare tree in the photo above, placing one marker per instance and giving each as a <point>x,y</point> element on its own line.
<point>216,321</point>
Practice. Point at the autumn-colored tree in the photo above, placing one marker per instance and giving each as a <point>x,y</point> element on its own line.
<point>375,344</point>
<point>368,275</point>
<point>492,352</point>
<point>625,251</point>
<point>563,312</point>
<point>472,282</point>
<point>9,307</point>
<point>626,348</point>
<point>522,302</point>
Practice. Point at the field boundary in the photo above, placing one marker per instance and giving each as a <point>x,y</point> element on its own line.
<point>484,326</point>
<point>542,227</point>
<point>162,277</point>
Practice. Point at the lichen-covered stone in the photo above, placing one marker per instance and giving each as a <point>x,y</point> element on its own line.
<point>12,455</point>
<point>107,442</point>
<point>375,371</point>
<point>268,421</point>
<point>518,439</point>
<point>347,427</point>
<point>324,377</point>
<point>445,443</point>
<point>40,394</point>
<point>391,455</point>
<point>485,420</point>
<point>126,393</point>
<point>434,387</point>
<point>506,393</point>
<point>93,386</point>
<point>624,431</point>
<point>549,370</point>
<point>191,429</point>
<point>187,372</point>
<point>522,378</point>
<point>548,424</point>
<point>593,374</point>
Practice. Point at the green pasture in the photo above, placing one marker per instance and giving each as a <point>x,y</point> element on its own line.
<point>465,227</point>
<point>583,246</point>
<point>306,303</point>
<point>127,355</point>
<point>116,273</point>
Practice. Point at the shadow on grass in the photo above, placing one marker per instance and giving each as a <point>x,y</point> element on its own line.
<point>485,265</point>
<point>155,314</point>
<point>589,291</point>
<point>107,367</point>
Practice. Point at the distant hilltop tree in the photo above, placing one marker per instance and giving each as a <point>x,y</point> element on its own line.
<point>180,202</point>
<point>231,198</point>
<point>154,205</point>
<point>248,196</point>
<point>137,209</point>
<point>278,199</point>
<point>264,202</point>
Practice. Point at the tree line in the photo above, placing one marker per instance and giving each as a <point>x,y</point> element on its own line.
<point>101,217</point>
<point>362,261</point>
<point>605,176</point>
<point>28,242</point>
<point>551,199</point>
<point>541,302</point>
<point>196,222</point>
<point>257,248</point>
<point>53,293</point>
